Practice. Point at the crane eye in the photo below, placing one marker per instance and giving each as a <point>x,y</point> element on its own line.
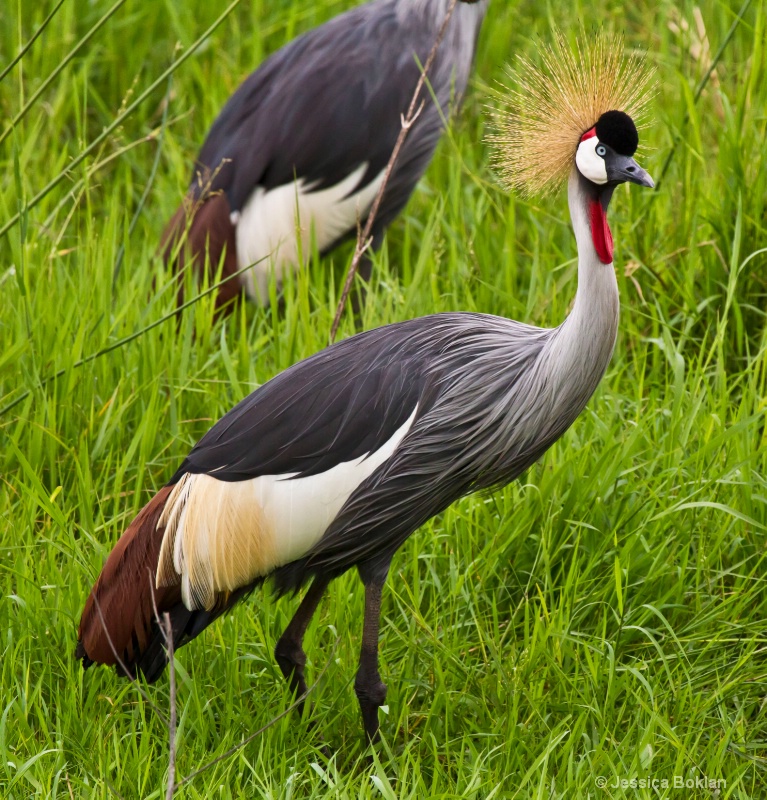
<point>601,150</point>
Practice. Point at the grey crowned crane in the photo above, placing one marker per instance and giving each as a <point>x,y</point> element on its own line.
<point>303,144</point>
<point>333,463</point>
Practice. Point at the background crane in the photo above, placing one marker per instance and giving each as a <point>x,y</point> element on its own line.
<point>336,461</point>
<point>302,146</point>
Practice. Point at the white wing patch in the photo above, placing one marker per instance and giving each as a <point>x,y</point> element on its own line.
<point>221,535</point>
<point>272,223</point>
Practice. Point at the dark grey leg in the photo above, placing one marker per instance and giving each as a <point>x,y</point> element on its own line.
<point>289,651</point>
<point>370,689</point>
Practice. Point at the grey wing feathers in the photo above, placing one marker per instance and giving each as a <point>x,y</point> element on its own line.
<point>470,439</point>
<point>471,379</point>
<point>320,107</point>
<point>338,405</point>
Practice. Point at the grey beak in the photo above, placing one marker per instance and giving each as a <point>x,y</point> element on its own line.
<point>623,169</point>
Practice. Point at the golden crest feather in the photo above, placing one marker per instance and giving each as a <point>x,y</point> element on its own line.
<point>538,132</point>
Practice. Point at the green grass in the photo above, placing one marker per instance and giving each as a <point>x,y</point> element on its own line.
<point>605,616</point>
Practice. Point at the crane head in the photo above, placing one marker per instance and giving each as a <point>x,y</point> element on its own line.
<point>605,152</point>
<point>575,107</point>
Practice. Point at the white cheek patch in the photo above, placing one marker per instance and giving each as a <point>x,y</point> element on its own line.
<point>589,164</point>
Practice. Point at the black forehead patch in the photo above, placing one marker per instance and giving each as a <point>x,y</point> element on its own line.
<point>617,130</point>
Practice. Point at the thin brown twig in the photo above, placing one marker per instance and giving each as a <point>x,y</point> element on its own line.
<point>296,703</point>
<point>66,774</point>
<point>167,632</point>
<point>364,238</point>
<point>167,629</point>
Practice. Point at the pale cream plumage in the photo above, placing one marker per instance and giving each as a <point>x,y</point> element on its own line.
<point>538,130</point>
<point>221,535</point>
<point>216,539</point>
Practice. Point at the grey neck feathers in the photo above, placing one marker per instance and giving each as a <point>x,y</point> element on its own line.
<point>466,17</point>
<point>511,390</point>
<point>422,19</point>
<point>578,353</point>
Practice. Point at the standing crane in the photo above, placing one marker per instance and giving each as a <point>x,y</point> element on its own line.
<point>333,463</point>
<point>302,146</point>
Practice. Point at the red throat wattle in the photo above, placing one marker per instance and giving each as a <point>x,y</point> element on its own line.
<point>600,232</point>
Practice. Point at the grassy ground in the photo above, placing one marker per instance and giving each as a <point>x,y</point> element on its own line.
<point>605,616</point>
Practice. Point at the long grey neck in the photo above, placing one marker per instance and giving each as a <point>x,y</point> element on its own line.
<point>423,19</point>
<point>467,17</point>
<point>580,349</point>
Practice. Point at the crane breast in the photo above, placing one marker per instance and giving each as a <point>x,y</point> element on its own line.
<point>222,535</point>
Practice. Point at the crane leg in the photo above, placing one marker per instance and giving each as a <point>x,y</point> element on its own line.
<point>368,686</point>
<point>289,652</point>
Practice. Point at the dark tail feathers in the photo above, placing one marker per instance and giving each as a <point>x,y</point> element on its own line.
<point>119,621</point>
<point>208,227</point>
